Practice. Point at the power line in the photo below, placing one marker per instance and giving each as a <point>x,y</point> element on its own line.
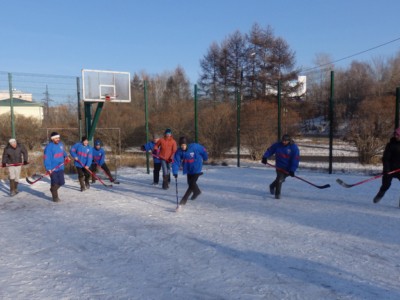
<point>350,56</point>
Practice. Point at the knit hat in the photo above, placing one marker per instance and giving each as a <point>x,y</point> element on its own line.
<point>54,135</point>
<point>286,138</point>
<point>168,131</point>
<point>12,141</point>
<point>397,131</point>
<point>182,140</point>
<point>97,142</point>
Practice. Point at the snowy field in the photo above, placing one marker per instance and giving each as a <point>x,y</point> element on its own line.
<point>234,242</point>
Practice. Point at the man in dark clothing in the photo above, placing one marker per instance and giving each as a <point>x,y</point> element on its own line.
<point>287,158</point>
<point>391,162</point>
<point>12,158</point>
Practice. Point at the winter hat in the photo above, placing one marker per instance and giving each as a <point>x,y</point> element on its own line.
<point>397,131</point>
<point>12,141</point>
<point>97,142</point>
<point>182,140</point>
<point>168,131</point>
<point>286,138</point>
<point>54,135</point>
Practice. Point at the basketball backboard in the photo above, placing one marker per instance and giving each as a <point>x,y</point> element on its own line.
<point>101,86</point>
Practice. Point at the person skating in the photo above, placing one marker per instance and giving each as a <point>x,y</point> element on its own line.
<point>287,157</point>
<point>82,153</point>
<point>99,159</point>
<point>391,162</point>
<point>190,157</point>
<point>14,155</point>
<point>54,156</point>
<point>167,147</point>
<point>149,147</point>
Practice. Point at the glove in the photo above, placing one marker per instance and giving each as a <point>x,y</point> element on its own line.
<point>291,173</point>
<point>67,160</point>
<point>170,160</point>
<point>25,162</point>
<point>176,175</point>
<point>3,165</point>
<point>264,160</point>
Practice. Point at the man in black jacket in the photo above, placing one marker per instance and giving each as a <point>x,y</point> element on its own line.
<point>391,162</point>
<point>12,158</point>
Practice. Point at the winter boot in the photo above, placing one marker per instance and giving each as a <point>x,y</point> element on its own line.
<point>93,180</point>
<point>196,193</point>
<point>272,189</point>
<point>87,184</point>
<point>278,196</point>
<point>185,197</point>
<point>54,193</point>
<point>12,187</point>
<point>82,183</point>
<point>165,182</point>
<point>169,178</point>
<point>378,196</point>
<point>16,187</point>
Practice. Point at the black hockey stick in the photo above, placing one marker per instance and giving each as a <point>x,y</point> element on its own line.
<point>302,179</point>
<point>176,188</point>
<point>346,185</point>
<point>32,181</point>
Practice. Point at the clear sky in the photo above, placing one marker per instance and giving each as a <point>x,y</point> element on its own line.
<point>62,37</point>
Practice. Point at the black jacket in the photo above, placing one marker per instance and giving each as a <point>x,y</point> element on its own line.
<point>13,156</point>
<point>391,156</point>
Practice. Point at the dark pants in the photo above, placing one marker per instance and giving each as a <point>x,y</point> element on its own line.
<point>57,178</point>
<point>93,168</point>
<point>387,182</point>
<point>277,184</point>
<point>192,188</point>
<point>156,172</point>
<point>83,173</point>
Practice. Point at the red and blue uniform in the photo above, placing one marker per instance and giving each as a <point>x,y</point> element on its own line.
<point>286,156</point>
<point>83,153</point>
<point>190,159</point>
<point>54,155</point>
<point>155,153</point>
<point>99,156</point>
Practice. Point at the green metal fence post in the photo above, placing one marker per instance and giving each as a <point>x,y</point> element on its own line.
<point>331,125</point>
<point>238,96</point>
<point>146,116</point>
<point>396,116</point>
<point>279,111</point>
<point>196,129</point>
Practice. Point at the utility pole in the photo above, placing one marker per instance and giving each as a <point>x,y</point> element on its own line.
<point>47,100</point>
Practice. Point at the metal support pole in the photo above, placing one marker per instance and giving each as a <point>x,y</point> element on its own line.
<point>331,127</point>
<point>78,94</point>
<point>146,116</point>
<point>196,128</point>
<point>238,96</point>
<point>279,111</point>
<point>11,105</point>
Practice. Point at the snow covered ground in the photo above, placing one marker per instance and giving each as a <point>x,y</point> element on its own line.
<point>234,242</point>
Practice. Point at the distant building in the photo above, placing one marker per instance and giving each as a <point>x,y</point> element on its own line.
<point>23,104</point>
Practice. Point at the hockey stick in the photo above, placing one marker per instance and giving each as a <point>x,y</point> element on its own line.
<point>176,188</point>
<point>14,165</point>
<point>91,173</point>
<point>45,174</point>
<point>302,179</point>
<point>109,177</point>
<point>346,185</point>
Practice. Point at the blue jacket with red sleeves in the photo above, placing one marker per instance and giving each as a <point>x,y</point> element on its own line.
<point>286,157</point>
<point>190,159</point>
<point>54,154</point>
<point>83,153</point>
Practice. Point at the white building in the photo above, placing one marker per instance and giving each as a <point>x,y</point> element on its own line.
<point>23,104</point>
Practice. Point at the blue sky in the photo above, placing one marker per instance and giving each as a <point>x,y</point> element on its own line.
<point>62,37</point>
